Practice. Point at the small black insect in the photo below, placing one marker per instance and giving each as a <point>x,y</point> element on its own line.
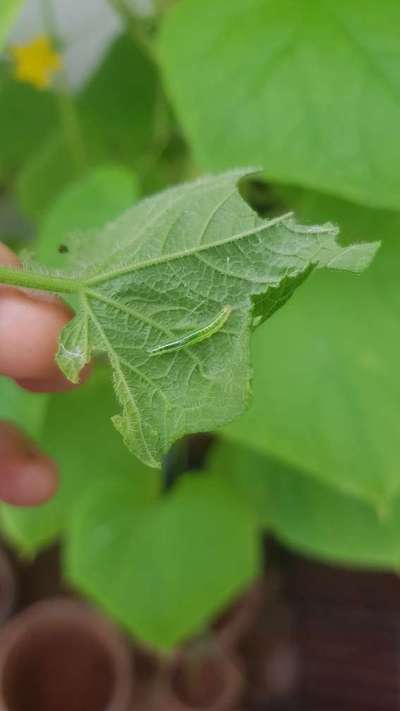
<point>63,249</point>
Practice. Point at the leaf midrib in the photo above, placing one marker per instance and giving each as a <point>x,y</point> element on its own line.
<point>91,293</point>
<point>108,276</point>
<point>115,359</point>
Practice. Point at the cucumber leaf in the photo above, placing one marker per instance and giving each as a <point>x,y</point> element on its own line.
<point>194,268</point>
<point>309,89</point>
<point>328,403</point>
<point>163,569</point>
<point>307,515</point>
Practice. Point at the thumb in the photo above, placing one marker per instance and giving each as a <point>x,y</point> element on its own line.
<point>30,325</point>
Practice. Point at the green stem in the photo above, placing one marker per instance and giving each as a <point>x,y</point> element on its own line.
<point>135,29</point>
<point>71,125</point>
<point>40,282</point>
<point>69,117</point>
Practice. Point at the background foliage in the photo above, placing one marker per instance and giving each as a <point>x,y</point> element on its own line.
<point>310,91</point>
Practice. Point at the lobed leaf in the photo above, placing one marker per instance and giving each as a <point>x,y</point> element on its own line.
<point>165,269</point>
<point>169,268</point>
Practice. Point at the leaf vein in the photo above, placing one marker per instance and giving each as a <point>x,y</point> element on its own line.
<point>127,269</point>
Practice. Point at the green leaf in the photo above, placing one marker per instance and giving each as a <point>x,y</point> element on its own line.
<point>326,381</point>
<point>76,431</point>
<point>318,520</point>
<point>355,221</point>
<point>311,90</point>
<point>119,102</point>
<point>17,144</point>
<point>86,204</point>
<point>246,472</point>
<point>25,409</point>
<point>163,570</point>
<point>9,10</point>
<point>49,169</point>
<point>185,267</point>
<point>308,515</point>
<point>116,111</point>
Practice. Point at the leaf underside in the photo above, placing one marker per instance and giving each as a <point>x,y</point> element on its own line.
<point>165,269</point>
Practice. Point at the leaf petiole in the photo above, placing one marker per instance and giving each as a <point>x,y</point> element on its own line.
<point>40,282</point>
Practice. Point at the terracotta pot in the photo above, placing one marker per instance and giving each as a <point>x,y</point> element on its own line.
<point>61,655</point>
<point>210,681</point>
<point>7,587</point>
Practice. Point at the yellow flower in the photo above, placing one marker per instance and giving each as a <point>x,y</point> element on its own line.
<point>36,62</point>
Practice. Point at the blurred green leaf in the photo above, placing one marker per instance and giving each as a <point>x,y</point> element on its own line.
<point>165,570</point>
<point>355,222</point>
<point>76,431</point>
<point>9,10</point>
<point>308,515</point>
<point>17,143</point>
<point>246,471</point>
<point>117,117</point>
<point>120,101</point>
<point>47,172</point>
<point>318,520</point>
<point>87,204</point>
<point>326,373</point>
<point>309,90</point>
<point>25,409</point>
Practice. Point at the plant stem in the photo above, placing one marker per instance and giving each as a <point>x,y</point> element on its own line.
<point>135,29</point>
<point>71,124</point>
<point>40,282</point>
<point>66,103</point>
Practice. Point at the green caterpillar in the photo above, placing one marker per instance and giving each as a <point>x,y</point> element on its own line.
<point>195,336</point>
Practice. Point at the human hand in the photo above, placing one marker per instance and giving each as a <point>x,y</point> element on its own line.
<point>30,324</point>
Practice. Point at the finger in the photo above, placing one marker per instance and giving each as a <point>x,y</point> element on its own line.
<point>52,385</point>
<point>7,257</point>
<point>30,325</point>
<point>27,477</point>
